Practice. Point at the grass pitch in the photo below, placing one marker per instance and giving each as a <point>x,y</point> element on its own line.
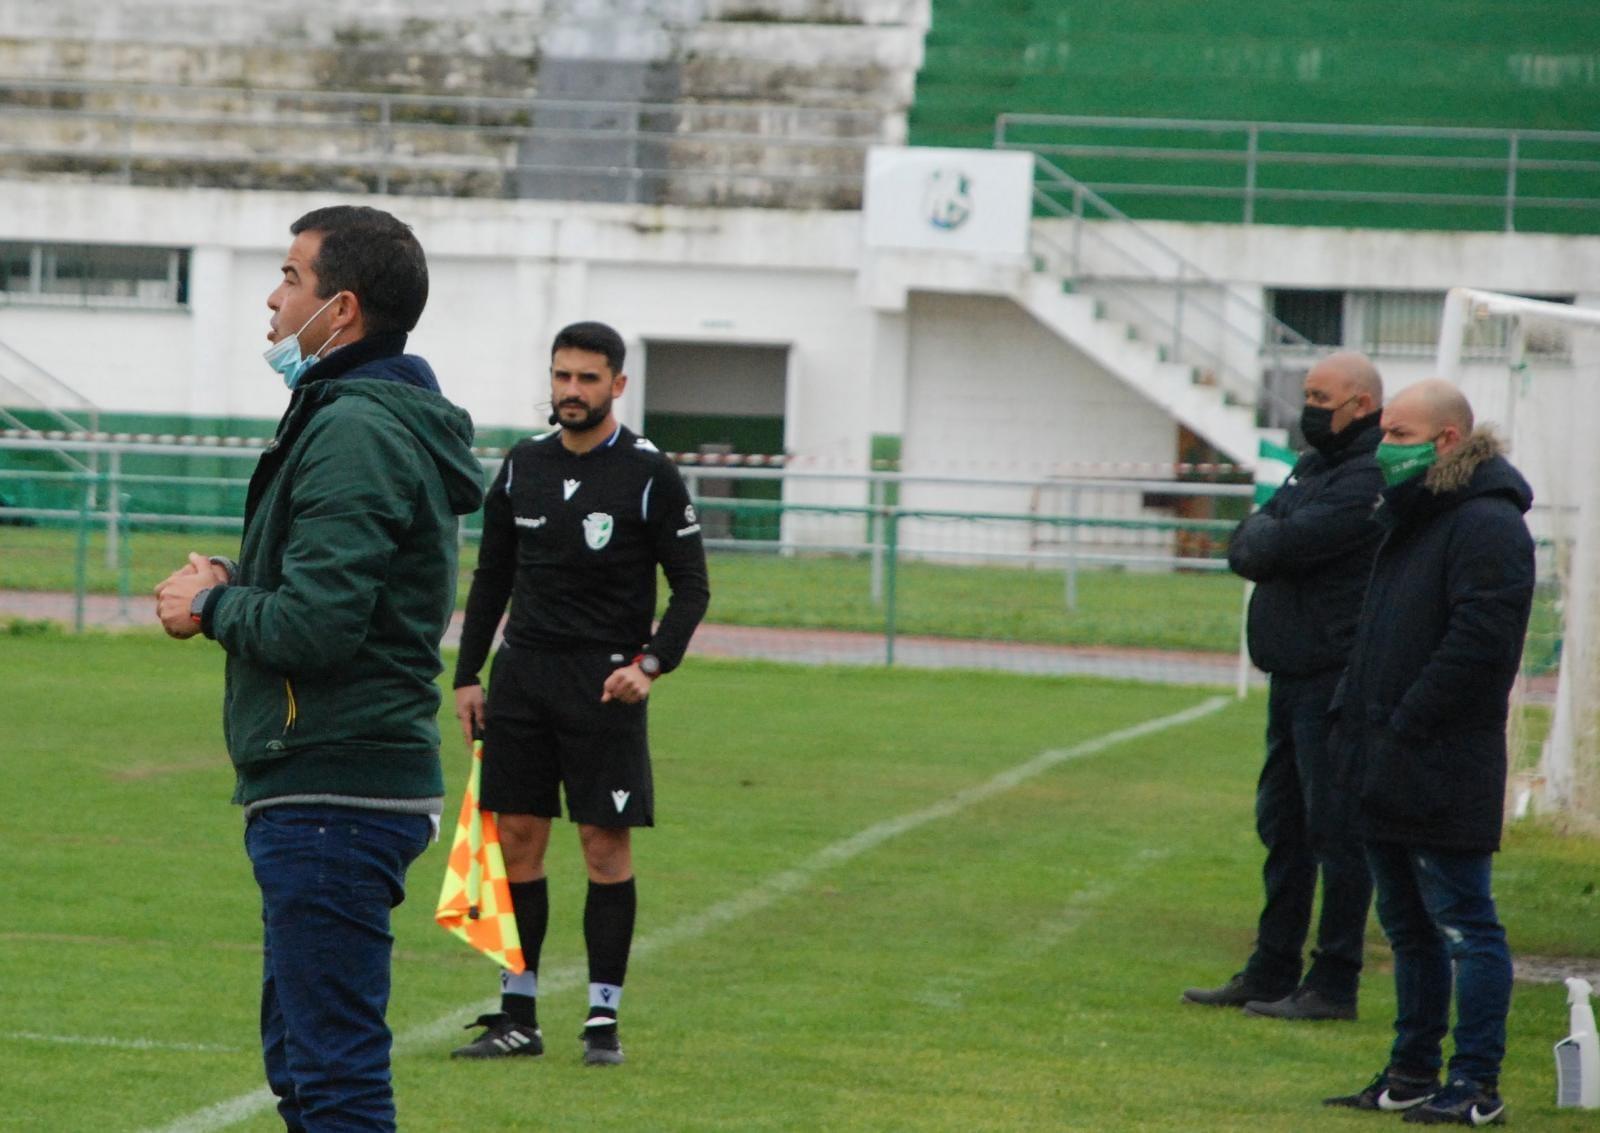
<point>1153,609</point>
<point>1002,958</point>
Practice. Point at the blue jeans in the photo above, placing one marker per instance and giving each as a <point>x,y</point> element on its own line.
<point>1439,916</point>
<point>329,876</point>
<point>1308,825</point>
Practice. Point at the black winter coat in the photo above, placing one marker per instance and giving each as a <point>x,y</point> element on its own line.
<point>1421,714</point>
<point>1308,550</point>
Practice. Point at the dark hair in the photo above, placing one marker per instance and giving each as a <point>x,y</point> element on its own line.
<point>375,257</point>
<point>595,337</point>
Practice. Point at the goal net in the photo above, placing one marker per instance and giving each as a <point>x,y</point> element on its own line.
<point>1533,368</point>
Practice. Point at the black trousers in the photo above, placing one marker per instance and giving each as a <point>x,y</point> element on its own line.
<point>1309,826</point>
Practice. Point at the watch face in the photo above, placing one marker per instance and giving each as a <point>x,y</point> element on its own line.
<point>650,665</point>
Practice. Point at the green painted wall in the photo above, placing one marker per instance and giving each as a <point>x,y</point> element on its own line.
<point>183,499</point>
<point>1530,64</point>
<point>886,450</point>
<point>686,432</point>
<point>188,498</point>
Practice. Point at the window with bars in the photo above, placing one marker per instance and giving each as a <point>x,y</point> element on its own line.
<point>1403,324</point>
<point>1319,315</point>
<point>93,275</point>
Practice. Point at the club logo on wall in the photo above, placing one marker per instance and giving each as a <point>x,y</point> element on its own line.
<point>947,199</point>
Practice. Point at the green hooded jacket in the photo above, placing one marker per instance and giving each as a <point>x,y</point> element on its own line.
<point>345,584</point>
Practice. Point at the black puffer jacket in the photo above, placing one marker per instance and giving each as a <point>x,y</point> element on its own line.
<point>1422,709</point>
<point>1308,550</point>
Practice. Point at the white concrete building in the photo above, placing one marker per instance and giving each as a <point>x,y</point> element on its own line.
<point>764,313</point>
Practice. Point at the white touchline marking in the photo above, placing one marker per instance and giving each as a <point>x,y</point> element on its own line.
<point>752,900</point>
<point>120,1044</point>
<point>789,881</point>
<point>1039,938</point>
<point>224,1114</point>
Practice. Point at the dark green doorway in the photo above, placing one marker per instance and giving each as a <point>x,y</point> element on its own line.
<point>713,398</point>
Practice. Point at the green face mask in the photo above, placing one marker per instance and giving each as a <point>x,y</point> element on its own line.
<point>1401,462</point>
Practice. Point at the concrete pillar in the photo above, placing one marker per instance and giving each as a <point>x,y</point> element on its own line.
<point>888,378</point>
<point>215,337</point>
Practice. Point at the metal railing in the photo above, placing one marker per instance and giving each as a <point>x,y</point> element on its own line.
<point>871,571</point>
<point>663,152</point>
<point>1118,254</point>
<point>903,580</point>
<point>1255,163</point>
<point>1058,522</point>
<point>24,384</point>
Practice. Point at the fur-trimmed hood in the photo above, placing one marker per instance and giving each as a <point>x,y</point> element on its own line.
<point>1477,468</point>
<point>1454,471</point>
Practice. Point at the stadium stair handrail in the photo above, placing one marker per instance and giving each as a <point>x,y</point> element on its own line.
<point>15,394</point>
<point>1190,285</point>
<point>1511,161</point>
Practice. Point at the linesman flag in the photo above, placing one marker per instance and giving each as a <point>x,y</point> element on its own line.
<point>1273,465</point>
<point>475,903</point>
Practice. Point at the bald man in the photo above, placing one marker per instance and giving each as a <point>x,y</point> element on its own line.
<point>1308,550</point>
<point>1421,732</point>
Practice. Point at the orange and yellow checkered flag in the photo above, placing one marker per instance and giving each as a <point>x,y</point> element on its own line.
<point>475,902</point>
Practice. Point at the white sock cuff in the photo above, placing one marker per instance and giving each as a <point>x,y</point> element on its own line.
<point>607,996</point>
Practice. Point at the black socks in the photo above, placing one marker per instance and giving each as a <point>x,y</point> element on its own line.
<point>530,900</point>
<point>608,917</point>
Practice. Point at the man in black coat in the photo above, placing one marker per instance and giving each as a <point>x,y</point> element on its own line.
<point>1421,723</point>
<point>1308,550</point>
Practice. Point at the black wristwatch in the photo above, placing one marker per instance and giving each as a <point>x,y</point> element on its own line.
<point>649,664</point>
<point>197,606</point>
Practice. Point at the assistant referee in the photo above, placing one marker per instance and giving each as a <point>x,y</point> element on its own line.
<point>573,529</point>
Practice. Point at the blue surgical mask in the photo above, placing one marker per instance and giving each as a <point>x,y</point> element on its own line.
<point>284,355</point>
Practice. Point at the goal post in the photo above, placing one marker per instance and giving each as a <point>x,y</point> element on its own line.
<point>1548,360</point>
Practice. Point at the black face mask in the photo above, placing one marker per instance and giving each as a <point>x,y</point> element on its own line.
<point>1316,425</point>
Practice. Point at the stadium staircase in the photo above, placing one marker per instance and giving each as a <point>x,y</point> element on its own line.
<point>1124,350</point>
<point>1159,322</point>
<point>38,400</point>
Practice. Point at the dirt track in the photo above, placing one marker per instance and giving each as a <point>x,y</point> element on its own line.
<point>805,646</point>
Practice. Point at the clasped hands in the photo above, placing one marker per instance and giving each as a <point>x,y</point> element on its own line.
<point>176,594</point>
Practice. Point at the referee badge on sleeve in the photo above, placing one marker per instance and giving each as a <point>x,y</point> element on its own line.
<point>597,527</point>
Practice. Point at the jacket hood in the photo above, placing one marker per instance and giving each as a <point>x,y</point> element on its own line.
<point>375,356</point>
<point>1478,468</point>
<point>444,430</point>
<point>407,369</point>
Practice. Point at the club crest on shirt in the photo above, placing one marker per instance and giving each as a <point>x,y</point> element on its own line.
<point>597,529</point>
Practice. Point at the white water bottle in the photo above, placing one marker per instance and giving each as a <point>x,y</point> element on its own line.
<point>1578,1055</point>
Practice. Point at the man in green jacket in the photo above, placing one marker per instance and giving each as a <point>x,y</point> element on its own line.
<point>331,620</point>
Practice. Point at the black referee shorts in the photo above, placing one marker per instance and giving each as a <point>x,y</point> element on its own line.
<point>545,728</point>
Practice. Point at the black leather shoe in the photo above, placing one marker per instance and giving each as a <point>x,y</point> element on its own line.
<point>1306,1003</point>
<point>1235,993</point>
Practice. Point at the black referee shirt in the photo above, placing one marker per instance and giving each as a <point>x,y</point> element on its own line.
<point>573,541</point>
